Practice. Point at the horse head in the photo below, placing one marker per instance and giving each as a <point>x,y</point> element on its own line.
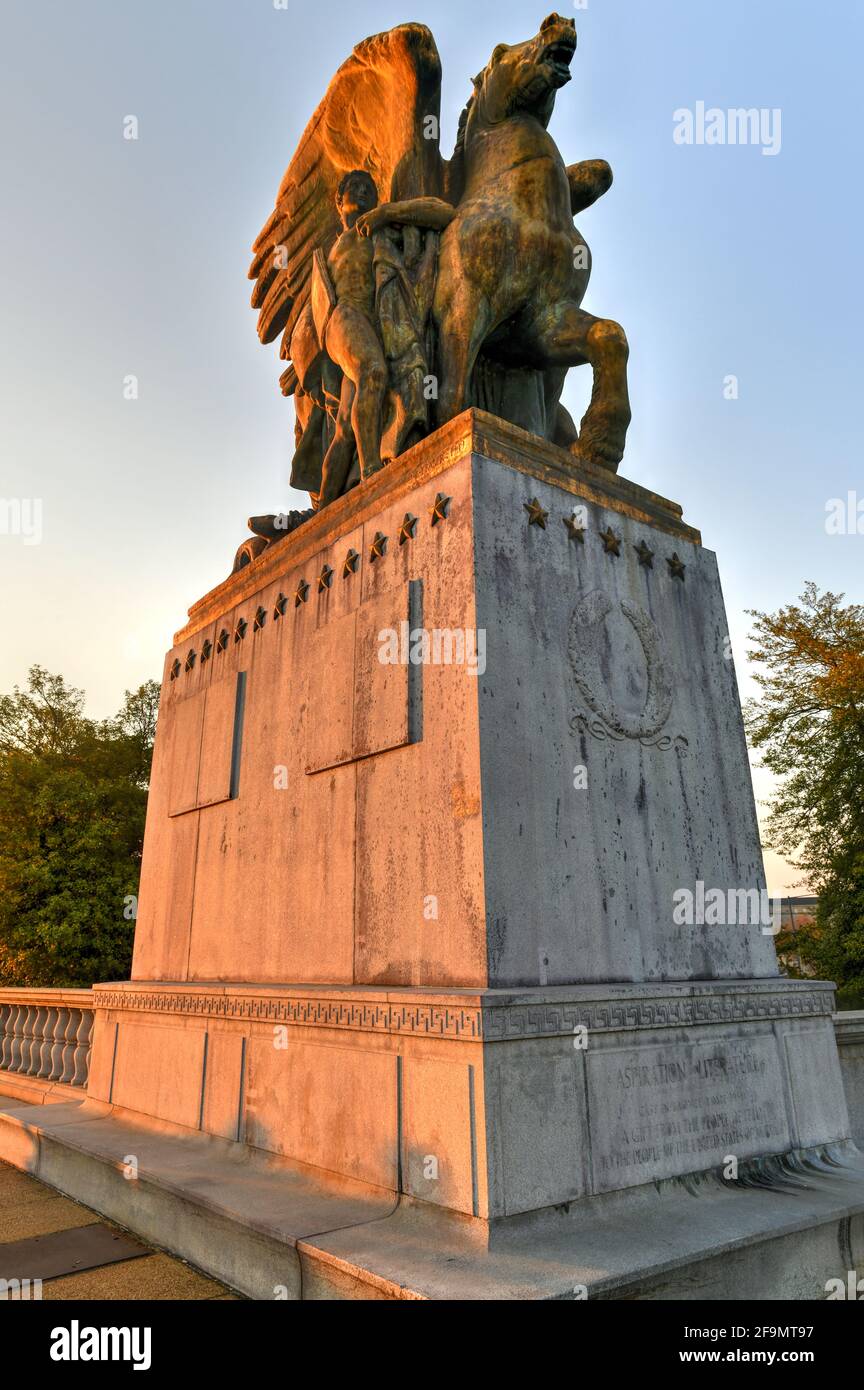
<point>524,77</point>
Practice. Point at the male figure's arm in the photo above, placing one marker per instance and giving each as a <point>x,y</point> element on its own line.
<point>431,213</point>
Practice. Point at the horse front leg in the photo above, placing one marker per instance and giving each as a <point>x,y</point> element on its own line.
<point>462,317</point>
<point>569,337</point>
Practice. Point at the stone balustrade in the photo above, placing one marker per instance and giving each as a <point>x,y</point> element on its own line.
<point>849,1031</point>
<point>45,1034</point>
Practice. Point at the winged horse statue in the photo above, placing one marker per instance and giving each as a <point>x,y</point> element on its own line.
<point>405,288</point>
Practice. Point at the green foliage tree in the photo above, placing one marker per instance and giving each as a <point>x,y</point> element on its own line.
<point>73,797</point>
<point>809,725</point>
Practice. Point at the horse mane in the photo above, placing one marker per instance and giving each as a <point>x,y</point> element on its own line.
<point>456,169</point>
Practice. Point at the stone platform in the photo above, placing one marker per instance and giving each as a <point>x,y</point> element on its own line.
<point>431,777</point>
<point>274,1230</point>
<point>320,814</point>
<point>490,1104</point>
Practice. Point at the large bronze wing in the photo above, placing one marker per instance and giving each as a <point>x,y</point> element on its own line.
<point>381,113</point>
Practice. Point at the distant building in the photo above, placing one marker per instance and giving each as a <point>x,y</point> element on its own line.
<point>795,913</point>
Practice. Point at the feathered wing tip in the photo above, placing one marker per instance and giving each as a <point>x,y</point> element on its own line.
<point>373,116</point>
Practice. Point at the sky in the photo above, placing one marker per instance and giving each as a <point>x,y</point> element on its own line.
<point>127,258</point>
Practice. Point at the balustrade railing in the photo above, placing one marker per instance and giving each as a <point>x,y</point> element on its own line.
<point>45,1034</point>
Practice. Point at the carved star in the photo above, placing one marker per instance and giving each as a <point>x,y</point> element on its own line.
<point>190,660</point>
<point>536,515</point>
<point>646,555</point>
<point>378,547</point>
<point>350,564</point>
<point>440,508</point>
<point>206,649</point>
<point>222,641</point>
<point>324,579</point>
<point>407,529</point>
<point>176,668</point>
<point>240,629</point>
<point>611,542</point>
<point>260,619</point>
<point>574,530</point>
<point>301,593</point>
<point>279,607</point>
<point>676,566</point>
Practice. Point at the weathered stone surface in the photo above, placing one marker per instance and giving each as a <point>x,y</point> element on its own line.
<point>450,844</point>
<point>498,1015</point>
<point>495,1102</point>
<point>273,1229</point>
<point>681,1107</point>
<point>580,878</point>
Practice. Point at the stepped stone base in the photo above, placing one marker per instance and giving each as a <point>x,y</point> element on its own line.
<point>488,1103</point>
<point>506,1067</point>
<point>274,1230</point>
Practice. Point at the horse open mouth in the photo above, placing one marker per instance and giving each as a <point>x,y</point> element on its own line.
<point>559,56</point>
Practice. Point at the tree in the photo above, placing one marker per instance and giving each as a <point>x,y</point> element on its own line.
<point>73,797</point>
<point>809,724</point>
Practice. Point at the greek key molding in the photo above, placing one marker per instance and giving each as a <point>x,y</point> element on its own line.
<point>492,1022</point>
<point>614,1016</point>
<point>366,1017</point>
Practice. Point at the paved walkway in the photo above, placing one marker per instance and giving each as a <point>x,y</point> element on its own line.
<point>29,1209</point>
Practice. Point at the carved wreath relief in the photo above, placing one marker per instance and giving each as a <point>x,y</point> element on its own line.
<point>588,639</point>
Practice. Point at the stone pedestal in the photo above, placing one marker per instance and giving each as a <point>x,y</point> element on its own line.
<point>423,924</point>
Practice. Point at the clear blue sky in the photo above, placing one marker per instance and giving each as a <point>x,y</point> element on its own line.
<point>121,257</point>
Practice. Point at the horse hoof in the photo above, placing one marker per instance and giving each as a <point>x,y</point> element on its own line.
<point>600,453</point>
<point>249,551</point>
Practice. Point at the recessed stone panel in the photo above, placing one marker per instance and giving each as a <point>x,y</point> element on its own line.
<point>657,1112</point>
<point>439,1150</point>
<point>816,1087</point>
<point>542,1132</point>
<point>187,718</point>
<point>222,717</point>
<point>159,1071</point>
<point>382,673</point>
<point>334,1107</point>
<point>329,701</point>
<point>223,1081</point>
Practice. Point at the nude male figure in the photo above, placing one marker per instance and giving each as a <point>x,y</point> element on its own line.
<point>347,326</point>
<point>351,341</point>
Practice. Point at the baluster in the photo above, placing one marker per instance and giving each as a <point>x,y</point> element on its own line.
<point>5,1034</point>
<point>20,1038</point>
<point>82,1048</point>
<point>27,1039</point>
<point>17,1038</point>
<point>69,1047</point>
<point>48,1044</point>
<point>59,1033</point>
<point>41,1064</point>
<point>39,1024</point>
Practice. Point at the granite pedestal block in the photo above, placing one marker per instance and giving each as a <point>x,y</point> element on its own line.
<point>433,776</point>
<point>323,809</point>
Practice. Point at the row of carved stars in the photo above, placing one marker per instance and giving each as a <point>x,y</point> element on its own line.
<point>538,516</point>
<point>439,512</point>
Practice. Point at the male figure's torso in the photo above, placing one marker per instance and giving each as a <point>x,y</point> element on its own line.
<point>351,271</point>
